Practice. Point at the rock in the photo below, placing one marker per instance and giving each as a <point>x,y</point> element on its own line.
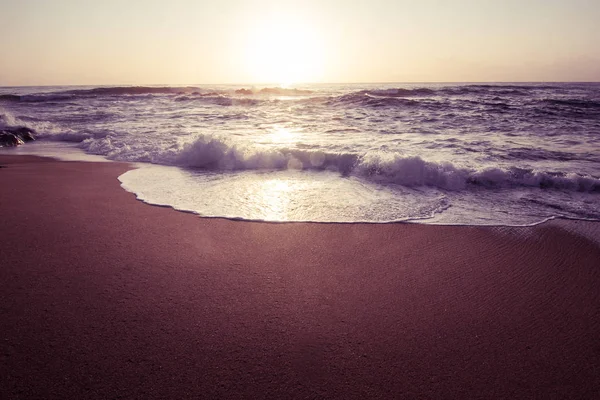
<point>26,134</point>
<point>8,139</point>
<point>20,133</point>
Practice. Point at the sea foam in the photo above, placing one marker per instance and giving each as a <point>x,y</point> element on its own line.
<point>220,154</point>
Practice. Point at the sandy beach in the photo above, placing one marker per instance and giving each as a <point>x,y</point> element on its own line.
<point>105,297</point>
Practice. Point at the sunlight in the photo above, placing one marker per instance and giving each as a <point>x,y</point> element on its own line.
<point>273,199</point>
<point>284,50</point>
<point>282,135</point>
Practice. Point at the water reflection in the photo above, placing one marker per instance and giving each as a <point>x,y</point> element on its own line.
<point>282,135</point>
<point>272,198</point>
<point>279,195</point>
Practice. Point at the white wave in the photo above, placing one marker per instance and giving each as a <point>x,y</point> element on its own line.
<point>214,153</point>
<point>411,171</point>
<point>48,130</point>
<point>43,129</point>
<point>414,171</point>
<point>220,153</point>
<point>7,119</point>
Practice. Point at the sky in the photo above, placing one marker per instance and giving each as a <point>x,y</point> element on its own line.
<point>92,42</point>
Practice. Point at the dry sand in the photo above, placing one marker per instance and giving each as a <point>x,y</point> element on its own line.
<point>102,296</point>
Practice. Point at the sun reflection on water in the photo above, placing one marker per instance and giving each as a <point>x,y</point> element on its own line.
<point>272,198</point>
<point>288,195</point>
<point>283,135</point>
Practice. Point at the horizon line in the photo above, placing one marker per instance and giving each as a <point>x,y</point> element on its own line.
<point>291,85</point>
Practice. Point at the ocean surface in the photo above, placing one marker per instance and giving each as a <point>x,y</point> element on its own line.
<point>475,154</point>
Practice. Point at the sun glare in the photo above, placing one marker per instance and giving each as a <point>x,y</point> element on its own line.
<point>272,198</point>
<point>284,50</point>
<point>282,135</point>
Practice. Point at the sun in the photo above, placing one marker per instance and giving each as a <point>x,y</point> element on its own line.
<point>284,50</point>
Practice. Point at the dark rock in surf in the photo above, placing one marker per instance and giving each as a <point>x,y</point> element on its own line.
<point>8,139</point>
<point>24,133</point>
<point>14,136</point>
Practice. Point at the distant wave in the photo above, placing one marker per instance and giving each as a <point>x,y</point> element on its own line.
<point>10,97</point>
<point>218,99</point>
<point>506,90</point>
<point>365,99</point>
<point>278,91</point>
<point>512,86</point>
<point>388,97</point>
<point>141,90</point>
<point>400,92</point>
<point>575,103</point>
<point>36,98</point>
<point>129,90</point>
<point>96,92</point>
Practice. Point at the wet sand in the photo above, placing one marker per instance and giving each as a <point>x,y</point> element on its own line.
<point>103,296</point>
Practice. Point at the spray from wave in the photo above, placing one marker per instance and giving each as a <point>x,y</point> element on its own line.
<point>219,154</point>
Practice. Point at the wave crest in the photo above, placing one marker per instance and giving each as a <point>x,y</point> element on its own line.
<point>365,99</point>
<point>276,91</point>
<point>219,154</point>
<point>133,90</point>
<point>400,92</point>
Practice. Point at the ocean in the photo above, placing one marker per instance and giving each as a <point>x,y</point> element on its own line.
<point>472,154</point>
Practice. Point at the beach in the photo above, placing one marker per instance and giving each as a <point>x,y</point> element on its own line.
<point>103,296</point>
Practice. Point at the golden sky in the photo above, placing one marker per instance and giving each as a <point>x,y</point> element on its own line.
<point>58,42</point>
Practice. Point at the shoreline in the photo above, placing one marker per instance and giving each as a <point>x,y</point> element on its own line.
<point>74,154</point>
<point>146,193</point>
<point>104,296</point>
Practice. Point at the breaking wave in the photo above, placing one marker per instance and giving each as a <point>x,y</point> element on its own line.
<point>44,129</point>
<point>218,154</point>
